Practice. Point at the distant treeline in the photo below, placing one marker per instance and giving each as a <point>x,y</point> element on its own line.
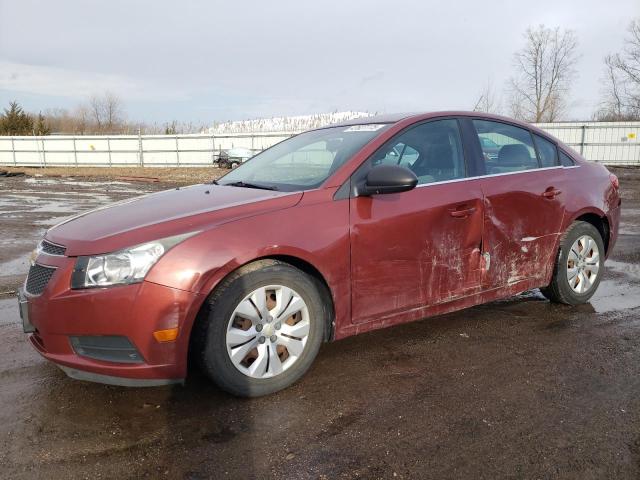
<point>99,115</point>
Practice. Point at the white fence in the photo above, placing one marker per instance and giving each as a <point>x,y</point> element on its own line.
<point>127,150</point>
<point>615,143</point>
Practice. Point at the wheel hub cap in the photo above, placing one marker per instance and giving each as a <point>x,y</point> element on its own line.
<point>583,264</point>
<point>268,331</point>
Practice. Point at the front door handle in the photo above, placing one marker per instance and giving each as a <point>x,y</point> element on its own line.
<point>551,193</point>
<point>465,212</point>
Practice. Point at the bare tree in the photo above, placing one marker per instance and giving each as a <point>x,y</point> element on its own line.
<point>106,111</point>
<point>113,110</point>
<point>81,115</point>
<point>544,69</point>
<point>96,111</point>
<point>488,100</point>
<point>622,81</point>
<point>61,120</point>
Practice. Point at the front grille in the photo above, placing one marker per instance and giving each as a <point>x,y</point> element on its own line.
<point>52,248</point>
<point>39,276</point>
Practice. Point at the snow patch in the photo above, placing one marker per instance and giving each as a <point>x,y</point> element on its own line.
<point>293,124</point>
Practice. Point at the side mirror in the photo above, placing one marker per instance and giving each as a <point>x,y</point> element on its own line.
<point>389,179</point>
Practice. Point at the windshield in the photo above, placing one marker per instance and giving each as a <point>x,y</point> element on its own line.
<point>305,161</point>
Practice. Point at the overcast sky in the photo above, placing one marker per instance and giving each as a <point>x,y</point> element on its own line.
<point>210,60</point>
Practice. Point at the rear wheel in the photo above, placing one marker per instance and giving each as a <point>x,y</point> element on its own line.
<point>264,327</point>
<point>579,265</point>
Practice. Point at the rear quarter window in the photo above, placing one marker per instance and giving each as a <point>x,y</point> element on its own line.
<point>566,160</point>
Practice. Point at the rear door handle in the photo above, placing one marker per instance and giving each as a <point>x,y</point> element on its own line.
<point>462,213</point>
<point>551,193</point>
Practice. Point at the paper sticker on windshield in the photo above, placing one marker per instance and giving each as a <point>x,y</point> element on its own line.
<point>372,127</point>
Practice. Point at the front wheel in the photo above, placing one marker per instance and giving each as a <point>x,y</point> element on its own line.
<point>579,265</point>
<point>264,328</point>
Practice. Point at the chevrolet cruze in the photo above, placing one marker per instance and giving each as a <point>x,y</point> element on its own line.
<point>328,234</point>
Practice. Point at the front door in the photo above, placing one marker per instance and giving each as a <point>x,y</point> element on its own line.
<point>421,247</point>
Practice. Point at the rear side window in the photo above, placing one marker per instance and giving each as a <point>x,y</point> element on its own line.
<point>506,148</point>
<point>432,150</point>
<point>547,152</point>
<point>566,160</point>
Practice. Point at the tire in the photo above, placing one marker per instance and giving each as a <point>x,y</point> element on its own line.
<point>234,165</point>
<point>560,290</point>
<point>222,324</point>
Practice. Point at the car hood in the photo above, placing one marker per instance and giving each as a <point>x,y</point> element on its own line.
<point>163,214</point>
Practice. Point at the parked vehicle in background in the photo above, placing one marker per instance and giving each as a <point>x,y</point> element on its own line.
<point>331,233</point>
<point>233,157</point>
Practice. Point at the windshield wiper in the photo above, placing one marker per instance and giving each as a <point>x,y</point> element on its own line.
<point>249,185</point>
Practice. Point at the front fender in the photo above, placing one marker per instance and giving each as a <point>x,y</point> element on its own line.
<point>315,231</point>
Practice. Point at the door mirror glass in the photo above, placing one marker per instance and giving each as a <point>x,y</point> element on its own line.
<point>383,179</point>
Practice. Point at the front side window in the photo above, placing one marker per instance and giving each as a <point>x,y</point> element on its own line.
<point>432,150</point>
<point>547,152</point>
<point>305,161</point>
<point>506,148</point>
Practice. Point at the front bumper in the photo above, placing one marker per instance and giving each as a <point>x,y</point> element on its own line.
<point>118,381</point>
<point>131,311</point>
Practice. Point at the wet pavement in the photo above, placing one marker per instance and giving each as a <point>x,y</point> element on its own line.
<point>514,389</point>
<point>30,205</point>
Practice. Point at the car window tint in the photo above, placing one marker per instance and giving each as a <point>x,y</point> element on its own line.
<point>547,152</point>
<point>432,150</point>
<point>506,148</point>
<point>566,160</point>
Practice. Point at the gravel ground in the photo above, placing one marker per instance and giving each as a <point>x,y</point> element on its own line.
<point>513,389</point>
<point>177,176</point>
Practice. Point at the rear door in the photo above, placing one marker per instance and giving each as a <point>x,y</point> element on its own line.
<point>419,247</point>
<point>523,203</point>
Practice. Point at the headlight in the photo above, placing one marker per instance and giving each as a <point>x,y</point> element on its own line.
<point>123,267</point>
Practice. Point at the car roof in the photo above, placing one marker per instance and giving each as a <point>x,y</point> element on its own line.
<point>397,117</point>
<point>417,116</point>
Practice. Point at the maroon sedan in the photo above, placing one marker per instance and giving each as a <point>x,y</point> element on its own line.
<point>331,233</point>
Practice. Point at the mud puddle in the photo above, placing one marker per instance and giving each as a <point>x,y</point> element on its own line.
<point>621,291</point>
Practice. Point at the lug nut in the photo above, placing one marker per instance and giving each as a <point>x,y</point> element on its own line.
<point>273,338</point>
<point>262,340</point>
<point>278,325</point>
<point>259,327</point>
